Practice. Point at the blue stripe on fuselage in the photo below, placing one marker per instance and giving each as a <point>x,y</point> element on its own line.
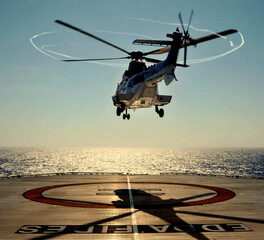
<point>139,78</point>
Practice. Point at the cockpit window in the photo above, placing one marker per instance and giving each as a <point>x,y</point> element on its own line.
<point>135,67</point>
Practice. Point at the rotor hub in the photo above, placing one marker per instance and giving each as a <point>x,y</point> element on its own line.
<point>136,55</point>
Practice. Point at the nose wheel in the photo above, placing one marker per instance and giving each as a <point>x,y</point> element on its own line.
<point>126,115</point>
<point>160,112</point>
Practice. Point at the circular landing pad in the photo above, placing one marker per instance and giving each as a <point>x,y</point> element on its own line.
<point>116,195</point>
<point>130,207</point>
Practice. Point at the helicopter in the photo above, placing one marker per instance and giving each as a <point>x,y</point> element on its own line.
<point>139,85</point>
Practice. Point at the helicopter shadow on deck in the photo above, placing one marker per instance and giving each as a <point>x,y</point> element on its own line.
<point>158,207</point>
<point>144,202</point>
<point>155,206</point>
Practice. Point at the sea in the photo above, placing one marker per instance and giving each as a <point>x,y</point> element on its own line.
<point>235,162</point>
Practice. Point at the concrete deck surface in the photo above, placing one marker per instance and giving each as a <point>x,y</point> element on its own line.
<point>131,207</point>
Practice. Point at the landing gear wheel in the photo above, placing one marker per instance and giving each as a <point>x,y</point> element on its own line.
<point>126,116</point>
<point>118,111</point>
<point>161,112</point>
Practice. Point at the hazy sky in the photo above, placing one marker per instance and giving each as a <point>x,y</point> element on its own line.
<point>46,102</point>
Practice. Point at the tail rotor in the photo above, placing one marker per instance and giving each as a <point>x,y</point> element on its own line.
<point>186,35</point>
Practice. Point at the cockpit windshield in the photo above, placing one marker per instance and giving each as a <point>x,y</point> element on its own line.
<point>135,67</point>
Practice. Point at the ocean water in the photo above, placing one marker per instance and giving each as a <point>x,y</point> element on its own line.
<point>33,161</point>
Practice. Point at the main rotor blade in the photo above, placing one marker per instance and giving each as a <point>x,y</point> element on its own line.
<point>94,59</point>
<point>158,51</point>
<point>90,35</point>
<point>151,60</point>
<point>193,42</point>
<point>208,37</point>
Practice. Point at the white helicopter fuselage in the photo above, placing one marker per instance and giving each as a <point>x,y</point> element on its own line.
<point>141,90</point>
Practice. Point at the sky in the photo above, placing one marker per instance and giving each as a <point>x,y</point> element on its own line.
<point>50,103</point>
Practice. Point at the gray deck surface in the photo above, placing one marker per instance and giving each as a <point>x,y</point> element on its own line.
<point>101,207</point>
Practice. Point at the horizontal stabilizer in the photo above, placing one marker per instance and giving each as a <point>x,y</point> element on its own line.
<point>181,65</point>
<point>152,42</point>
